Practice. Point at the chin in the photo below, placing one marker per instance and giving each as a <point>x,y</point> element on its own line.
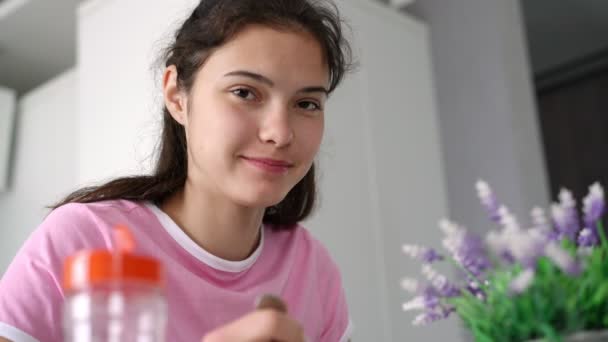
<point>261,199</point>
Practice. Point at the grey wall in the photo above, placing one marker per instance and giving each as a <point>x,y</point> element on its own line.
<point>487,113</point>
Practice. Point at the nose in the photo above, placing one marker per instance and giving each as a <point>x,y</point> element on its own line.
<point>276,128</point>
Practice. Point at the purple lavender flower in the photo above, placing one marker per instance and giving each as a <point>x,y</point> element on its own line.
<point>440,282</point>
<point>541,223</point>
<point>428,317</point>
<point>526,246</point>
<point>431,316</point>
<point>474,288</point>
<point>488,200</point>
<point>422,302</point>
<point>430,256</point>
<point>466,248</point>
<point>497,244</point>
<point>587,238</point>
<point>499,241</point>
<point>424,254</point>
<point>562,259</point>
<point>565,216</point>
<point>593,205</point>
<point>508,220</point>
<point>511,242</point>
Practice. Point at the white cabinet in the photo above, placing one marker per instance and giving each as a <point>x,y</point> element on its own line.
<point>381,178</point>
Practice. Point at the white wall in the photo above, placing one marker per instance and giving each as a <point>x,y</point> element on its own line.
<point>7,115</point>
<point>45,160</point>
<point>118,85</point>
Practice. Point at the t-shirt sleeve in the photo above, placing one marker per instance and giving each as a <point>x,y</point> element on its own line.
<point>31,295</point>
<point>338,327</point>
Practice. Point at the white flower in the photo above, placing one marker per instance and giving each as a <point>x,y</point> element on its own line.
<point>561,258</point>
<point>484,192</point>
<point>413,251</point>
<point>522,281</point>
<point>427,317</point>
<point>596,195</point>
<point>410,285</point>
<point>448,227</point>
<point>429,272</point>
<point>507,220</point>
<point>539,219</point>
<point>453,235</point>
<point>420,319</point>
<point>524,246</point>
<point>417,303</point>
<point>585,233</point>
<point>559,215</point>
<point>437,280</point>
<point>496,241</point>
<point>566,199</point>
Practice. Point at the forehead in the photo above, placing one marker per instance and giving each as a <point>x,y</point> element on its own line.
<point>275,53</point>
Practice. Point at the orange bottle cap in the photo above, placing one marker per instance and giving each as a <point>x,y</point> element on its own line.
<point>93,267</point>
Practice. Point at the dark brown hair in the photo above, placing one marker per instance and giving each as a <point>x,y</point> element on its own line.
<point>212,24</point>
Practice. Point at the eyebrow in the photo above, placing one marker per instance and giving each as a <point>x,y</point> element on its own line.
<point>266,80</point>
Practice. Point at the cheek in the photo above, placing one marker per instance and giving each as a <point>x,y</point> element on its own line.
<point>219,126</point>
<point>311,135</point>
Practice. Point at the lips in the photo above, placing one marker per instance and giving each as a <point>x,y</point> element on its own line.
<point>269,165</point>
<point>270,162</point>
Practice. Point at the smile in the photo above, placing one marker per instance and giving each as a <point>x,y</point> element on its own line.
<point>273,166</point>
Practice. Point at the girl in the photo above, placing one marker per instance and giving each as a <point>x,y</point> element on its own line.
<point>244,89</point>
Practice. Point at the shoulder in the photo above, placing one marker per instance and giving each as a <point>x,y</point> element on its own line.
<point>103,212</point>
<point>82,225</point>
<point>33,279</point>
<point>94,210</point>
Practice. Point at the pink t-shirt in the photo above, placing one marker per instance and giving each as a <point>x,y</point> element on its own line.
<point>203,291</point>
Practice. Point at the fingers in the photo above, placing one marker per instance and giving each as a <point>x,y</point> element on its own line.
<point>269,301</point>
<point>260,326</point>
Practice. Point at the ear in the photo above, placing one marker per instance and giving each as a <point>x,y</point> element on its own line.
<point>175,99</point>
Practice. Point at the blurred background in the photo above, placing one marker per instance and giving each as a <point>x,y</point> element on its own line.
<point>447,92</point>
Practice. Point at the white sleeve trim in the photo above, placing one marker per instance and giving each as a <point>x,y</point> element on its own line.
<point>14,334</point>
<point>348,332</point>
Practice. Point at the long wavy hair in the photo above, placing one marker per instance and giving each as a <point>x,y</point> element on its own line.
<point>212,24</point>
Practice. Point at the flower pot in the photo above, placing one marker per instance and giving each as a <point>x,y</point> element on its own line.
<point>584,336</point>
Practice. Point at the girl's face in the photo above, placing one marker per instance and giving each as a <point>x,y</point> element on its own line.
<point>254,116</point>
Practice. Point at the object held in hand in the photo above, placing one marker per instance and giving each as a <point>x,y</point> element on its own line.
<point>269,301</point>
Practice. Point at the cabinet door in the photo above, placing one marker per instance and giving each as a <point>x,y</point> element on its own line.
<point>381,179</point>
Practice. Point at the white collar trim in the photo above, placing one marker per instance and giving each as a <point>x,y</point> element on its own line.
<point>198,252</point>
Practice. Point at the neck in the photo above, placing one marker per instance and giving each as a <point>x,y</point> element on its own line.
<point>219,226</point>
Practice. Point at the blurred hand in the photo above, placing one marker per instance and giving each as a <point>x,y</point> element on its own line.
<point>263,325</point>
<point>268,323</point>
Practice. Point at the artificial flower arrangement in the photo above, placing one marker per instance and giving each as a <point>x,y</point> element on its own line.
<point>547,282</point>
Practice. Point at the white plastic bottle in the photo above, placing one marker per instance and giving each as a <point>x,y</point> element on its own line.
<point>114,296</point>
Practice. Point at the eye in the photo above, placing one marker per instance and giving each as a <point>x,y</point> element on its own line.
<point>309,106</point>
<point>244,93</point>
